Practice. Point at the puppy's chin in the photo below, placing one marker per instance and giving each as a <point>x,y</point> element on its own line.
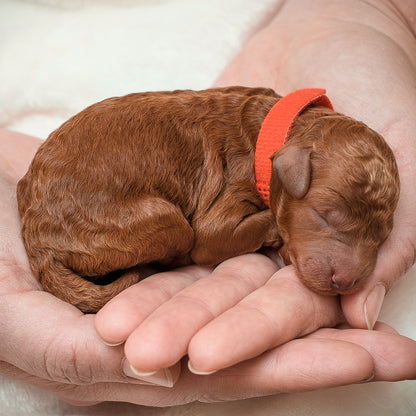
<point>319,277</point>
<point>322,288</point>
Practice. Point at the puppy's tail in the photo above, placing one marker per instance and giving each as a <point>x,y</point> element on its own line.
<point>81,292</point>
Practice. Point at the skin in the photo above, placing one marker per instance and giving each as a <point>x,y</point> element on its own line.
<point>245,306</point>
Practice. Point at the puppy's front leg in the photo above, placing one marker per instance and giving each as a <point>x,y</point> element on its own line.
<point>227,230</point>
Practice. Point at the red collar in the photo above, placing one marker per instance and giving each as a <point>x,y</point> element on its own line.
<point>275,131</point>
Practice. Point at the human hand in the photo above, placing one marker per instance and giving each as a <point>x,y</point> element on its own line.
<point>355,53</point>
<point>54,346</point>
<point>256,328</point>
<point>245,379</point>
<point>56,349</point>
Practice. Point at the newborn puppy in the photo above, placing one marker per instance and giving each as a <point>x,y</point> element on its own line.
<point>169,178</point>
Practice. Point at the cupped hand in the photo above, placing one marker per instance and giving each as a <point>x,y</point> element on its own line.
<point>54,346</point>
<point>51,344</point>
<point>365,56</point>
<point>241,309</point>
<point>246,330</point>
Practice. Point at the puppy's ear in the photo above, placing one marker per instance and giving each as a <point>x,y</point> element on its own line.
<point>292,165</point>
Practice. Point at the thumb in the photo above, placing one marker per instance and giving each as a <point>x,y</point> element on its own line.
<point>395,257</point>
<point>51,340</point>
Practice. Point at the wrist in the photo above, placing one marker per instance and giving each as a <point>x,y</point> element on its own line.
<point>16,152</point>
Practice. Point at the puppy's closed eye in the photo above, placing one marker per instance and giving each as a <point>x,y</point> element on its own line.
<point>330,217</point>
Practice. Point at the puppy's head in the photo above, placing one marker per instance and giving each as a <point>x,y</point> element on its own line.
<point>334,189</point>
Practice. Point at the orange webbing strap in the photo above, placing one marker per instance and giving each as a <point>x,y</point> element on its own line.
<point>275,131</point>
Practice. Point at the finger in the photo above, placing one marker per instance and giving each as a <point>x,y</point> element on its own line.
<point>162,339</point>
<point>300,365</point>
<point>362,309</point>
<point>324,359</point>
<point>394,355</point>
<point>119,317</point>
<point>52,340</point>
<point>277,312</point>
<point>379,326</point>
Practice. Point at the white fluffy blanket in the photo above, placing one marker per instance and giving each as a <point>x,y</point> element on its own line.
<point>58,56</point>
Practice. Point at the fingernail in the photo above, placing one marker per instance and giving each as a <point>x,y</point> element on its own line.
<point>161,378</point>
<point>371,378</point>
<point>113,345</point>
<point>373,304</point>
<point>199,373</point>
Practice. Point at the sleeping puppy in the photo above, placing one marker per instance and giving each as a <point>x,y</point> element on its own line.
<point>169,178</point>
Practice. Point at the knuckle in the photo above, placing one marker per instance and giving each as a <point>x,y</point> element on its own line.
<point>63,363</point>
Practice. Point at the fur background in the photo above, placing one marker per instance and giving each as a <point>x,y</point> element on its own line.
<point>58,56</point>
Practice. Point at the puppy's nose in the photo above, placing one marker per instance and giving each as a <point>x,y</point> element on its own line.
<point>341,284</point>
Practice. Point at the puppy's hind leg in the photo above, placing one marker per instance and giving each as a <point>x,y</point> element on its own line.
<point>146,230</point>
